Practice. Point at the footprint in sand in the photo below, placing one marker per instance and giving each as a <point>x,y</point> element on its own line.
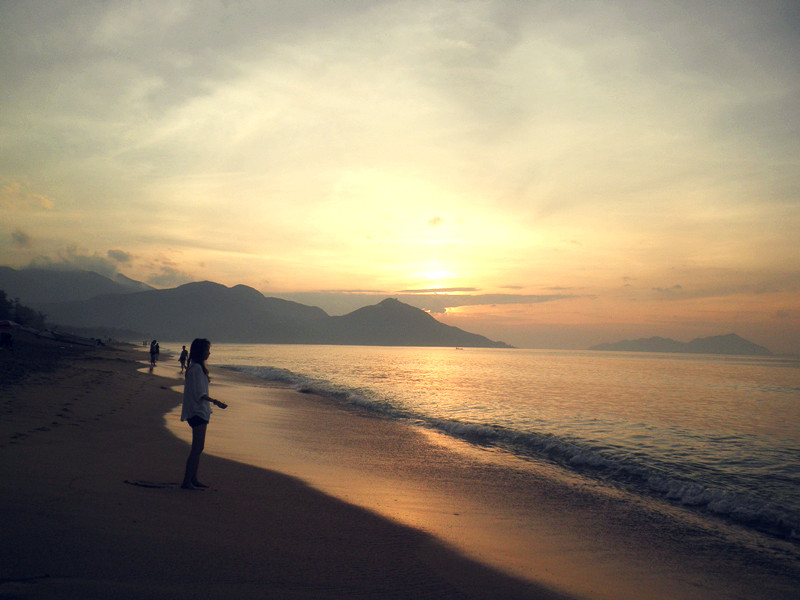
<point>151,484</point>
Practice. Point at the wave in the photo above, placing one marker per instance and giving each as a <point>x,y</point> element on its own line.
<point>307,385</point>
<point>622,470</point>
<point>607,464</point>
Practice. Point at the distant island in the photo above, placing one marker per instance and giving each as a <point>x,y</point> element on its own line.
<point>730,344</point>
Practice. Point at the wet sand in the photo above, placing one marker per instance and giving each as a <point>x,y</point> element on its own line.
<point>531,520</point>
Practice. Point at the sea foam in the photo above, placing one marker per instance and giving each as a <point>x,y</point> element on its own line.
<point>610,465</point>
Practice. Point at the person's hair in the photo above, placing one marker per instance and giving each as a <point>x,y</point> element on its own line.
<point>197,353</point>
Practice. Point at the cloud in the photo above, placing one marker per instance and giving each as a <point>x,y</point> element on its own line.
<point>719,283</point>
<point>345,144</point>
<point>356,291</point>
<point>439,290</point>
<point>74,258</point>
<point>439,303</point>
<point>169,277</point>
<point>120,256</point>
<point>164,273</point>
<point>786,314</point>
<point>16,195</point>
<point>21,239</point>
<point>670,290</point>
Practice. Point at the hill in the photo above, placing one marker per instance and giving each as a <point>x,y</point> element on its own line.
<point>730,344</point>
<point>393,323</point>
<point>40,286</point>
<point>203,309</point>
<point>223,314</point>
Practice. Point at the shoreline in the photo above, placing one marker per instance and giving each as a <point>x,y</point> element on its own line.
<point>90,504</point>
<point>525,519</point>
<point>90,507</point>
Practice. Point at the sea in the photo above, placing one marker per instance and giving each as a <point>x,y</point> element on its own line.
<point>716,437</point>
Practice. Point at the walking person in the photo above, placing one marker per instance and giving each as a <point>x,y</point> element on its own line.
<point>197,408</point>
<point>183,357</point>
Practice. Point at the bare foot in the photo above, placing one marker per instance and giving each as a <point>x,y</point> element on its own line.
<point>189,486</point>
<point>197,484</point>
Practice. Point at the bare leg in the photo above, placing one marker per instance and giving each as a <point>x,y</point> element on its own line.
<point>190,481</point>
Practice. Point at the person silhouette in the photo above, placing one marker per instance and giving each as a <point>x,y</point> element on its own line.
<point>153,353</point>
<point>196,408</point>
<point>183,357</point>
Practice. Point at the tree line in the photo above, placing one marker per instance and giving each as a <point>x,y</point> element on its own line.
<point>15,311</point>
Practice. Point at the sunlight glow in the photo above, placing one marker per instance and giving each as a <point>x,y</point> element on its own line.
<point>438,276</point>
<point>639,175</point>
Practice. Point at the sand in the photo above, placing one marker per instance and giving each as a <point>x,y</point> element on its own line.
<point>90,505</point>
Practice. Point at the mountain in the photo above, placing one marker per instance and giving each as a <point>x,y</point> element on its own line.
<point>131,284</point>
<point>727,344</point>
<point>730,344</point>
<point>236,314</point>
<point>39,286</point>
<point>393,323</point>
<point>203,309</point>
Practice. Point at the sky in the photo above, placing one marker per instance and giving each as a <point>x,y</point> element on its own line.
<point>552,174</point>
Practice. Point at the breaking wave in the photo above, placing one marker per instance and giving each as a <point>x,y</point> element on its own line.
<point>612,465</point>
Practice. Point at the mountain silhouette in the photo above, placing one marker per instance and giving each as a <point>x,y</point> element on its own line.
<point>203,309</point>
<point>224,314</point>
<point>393,323</point>
<point>730,344</point>
<point>39,286</point>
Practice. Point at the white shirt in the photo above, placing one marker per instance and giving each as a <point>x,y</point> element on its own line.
<point>195,394</point>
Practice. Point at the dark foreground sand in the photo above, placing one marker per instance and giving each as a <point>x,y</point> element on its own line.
<point>90,505</point>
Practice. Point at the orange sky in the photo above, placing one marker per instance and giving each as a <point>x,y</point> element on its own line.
<point>573,175</point>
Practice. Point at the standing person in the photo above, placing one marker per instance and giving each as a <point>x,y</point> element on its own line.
<point>153,353</point>
<point>184,356</point>
<point>197,408</point>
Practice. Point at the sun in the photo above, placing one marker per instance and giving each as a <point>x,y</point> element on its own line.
<point>435,278</point>
<point>437,275</point>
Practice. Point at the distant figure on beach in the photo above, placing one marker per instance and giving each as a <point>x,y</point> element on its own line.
<point>197,408</point>
<point>153,353</point>
<point>184,356</point>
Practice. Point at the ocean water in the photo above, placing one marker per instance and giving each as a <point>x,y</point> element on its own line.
<point>717,436</point>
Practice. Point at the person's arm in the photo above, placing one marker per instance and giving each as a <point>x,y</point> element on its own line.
<point>218,403</point>
<point>198,382</point>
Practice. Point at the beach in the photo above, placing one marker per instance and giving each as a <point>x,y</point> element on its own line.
<point>346,504</point>
<point>90,505</point>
